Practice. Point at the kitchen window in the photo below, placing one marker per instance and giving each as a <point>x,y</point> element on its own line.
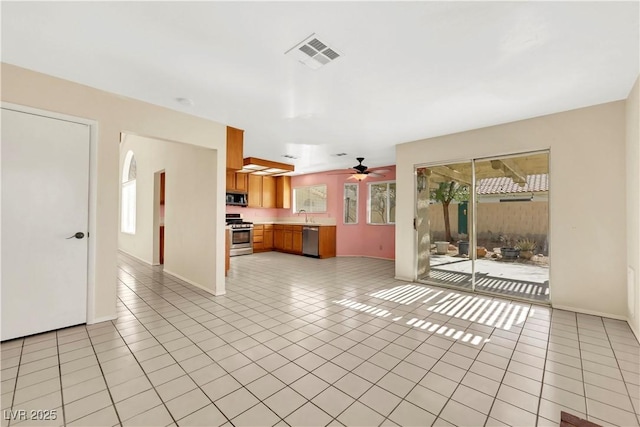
<point>310,199</point>
<point>128,197</point>
<point>382,203</point>
<point>351,203</point>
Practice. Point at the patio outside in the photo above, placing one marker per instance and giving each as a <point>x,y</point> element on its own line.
<point>511,210</point>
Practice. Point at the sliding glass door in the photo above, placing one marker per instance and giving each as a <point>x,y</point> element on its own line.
<point>483,225</point>
<point>443,223</point>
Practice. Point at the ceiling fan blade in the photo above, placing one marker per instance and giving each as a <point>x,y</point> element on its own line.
<point>375,174</point>
<point>381,171</point>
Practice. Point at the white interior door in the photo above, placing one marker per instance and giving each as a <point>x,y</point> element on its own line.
<point>45,200</point>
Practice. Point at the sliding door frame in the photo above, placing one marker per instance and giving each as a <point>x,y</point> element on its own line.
<point>474,222</point>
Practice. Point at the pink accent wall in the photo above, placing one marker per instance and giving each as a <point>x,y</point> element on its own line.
<point>257,213</point>
<point>359,239</point>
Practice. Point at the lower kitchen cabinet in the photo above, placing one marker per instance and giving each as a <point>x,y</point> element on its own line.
<point>262,237</point>
<point>327,242</point>
<point>278,237</point>
<point>288,238</point>
<point>297,240</point>
<point>267,237</point>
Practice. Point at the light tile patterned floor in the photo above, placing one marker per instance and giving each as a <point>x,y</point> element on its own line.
<point>301,341</point>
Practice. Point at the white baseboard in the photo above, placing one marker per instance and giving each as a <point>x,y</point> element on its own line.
<point>138,258</point>
<point>590,312</point>
<point>404,279</point>
<point>191,282</point>
<point>102,319</point>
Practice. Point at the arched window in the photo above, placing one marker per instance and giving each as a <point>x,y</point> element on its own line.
<point>128,214</point>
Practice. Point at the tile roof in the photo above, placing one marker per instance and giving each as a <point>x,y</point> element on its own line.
<point>505,185</point>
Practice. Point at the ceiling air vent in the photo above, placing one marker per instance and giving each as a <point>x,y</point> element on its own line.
<point>313,53</point>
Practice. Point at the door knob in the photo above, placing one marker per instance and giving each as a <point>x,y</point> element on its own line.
<point>78,235</point>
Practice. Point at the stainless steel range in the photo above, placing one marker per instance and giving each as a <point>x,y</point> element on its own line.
<point>241,235</point>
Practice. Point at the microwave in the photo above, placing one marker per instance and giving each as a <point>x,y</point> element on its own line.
<point>237,199</point>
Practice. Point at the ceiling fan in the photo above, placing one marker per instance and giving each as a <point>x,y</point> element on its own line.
<point>360,171</point>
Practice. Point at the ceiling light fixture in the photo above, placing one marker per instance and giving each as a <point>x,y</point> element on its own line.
<point>359,176</point>
<point>255,166</point>
<point>313,53</point>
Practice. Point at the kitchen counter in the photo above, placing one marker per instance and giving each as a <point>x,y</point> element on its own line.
<point>288,236</point>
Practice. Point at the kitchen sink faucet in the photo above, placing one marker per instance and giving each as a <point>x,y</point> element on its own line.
<point>305,215</point>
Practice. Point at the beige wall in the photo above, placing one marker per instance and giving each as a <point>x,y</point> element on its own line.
<point>115,114</point>
<point>513,218</point>
<point>633,205</point>
<point>587,161</point>
<point>189,209</point>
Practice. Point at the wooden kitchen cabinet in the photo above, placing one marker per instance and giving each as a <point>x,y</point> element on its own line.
<point>242,182</point>
<point>235,138</point>
<point>297,240</point>
<point>237,181</point>
<point>283,192</point>
<point>262,237</point>
<point>288,238</point>
<point>255,191</point>
<point>268,192</point>
<point>267,237</point>
<point>327,241</point>
<point>278,237</point>
<point>258,234</point>
<point>262,191</point>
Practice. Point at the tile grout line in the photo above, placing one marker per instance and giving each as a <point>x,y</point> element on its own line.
<point>506,369</point>
<point>369,335</point>
<point>15,386</point>
<point>195,344</point>
<point>113,403</point>
<point>620,369</point>
<point>244,304</point>
<point>64,417</point>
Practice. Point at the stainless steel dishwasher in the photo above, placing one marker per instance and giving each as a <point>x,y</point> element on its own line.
<point>310,241</point>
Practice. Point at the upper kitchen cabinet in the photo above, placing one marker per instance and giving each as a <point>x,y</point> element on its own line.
<point>266,190</point>
<point>237,181</point>
<point>235,151</point>
<point>255,191</point>
<point>262,191</point>
<point>283,192</point>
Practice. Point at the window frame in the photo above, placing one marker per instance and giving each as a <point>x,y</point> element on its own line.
<point>344,202</point>
<point>388,205</point>
<point>297,209</point>
<point>128,196</point>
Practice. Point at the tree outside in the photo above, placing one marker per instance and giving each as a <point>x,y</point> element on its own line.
<point>445,194</point>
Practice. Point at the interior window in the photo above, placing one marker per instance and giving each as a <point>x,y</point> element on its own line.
<point>128,201</point>
<point>382,203</point>
<point>351,203</point>
<point>310,199</point>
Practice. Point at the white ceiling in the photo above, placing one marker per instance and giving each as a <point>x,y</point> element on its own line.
<point>408,70</point>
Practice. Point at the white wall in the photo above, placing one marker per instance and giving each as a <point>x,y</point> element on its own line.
<point>189,208</point>
<point>633,204</point>
<point>115,114</point>
<point>587,166</point>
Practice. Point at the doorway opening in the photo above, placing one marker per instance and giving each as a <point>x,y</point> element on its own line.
<point>482,225</point>
<point>160,185</point>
